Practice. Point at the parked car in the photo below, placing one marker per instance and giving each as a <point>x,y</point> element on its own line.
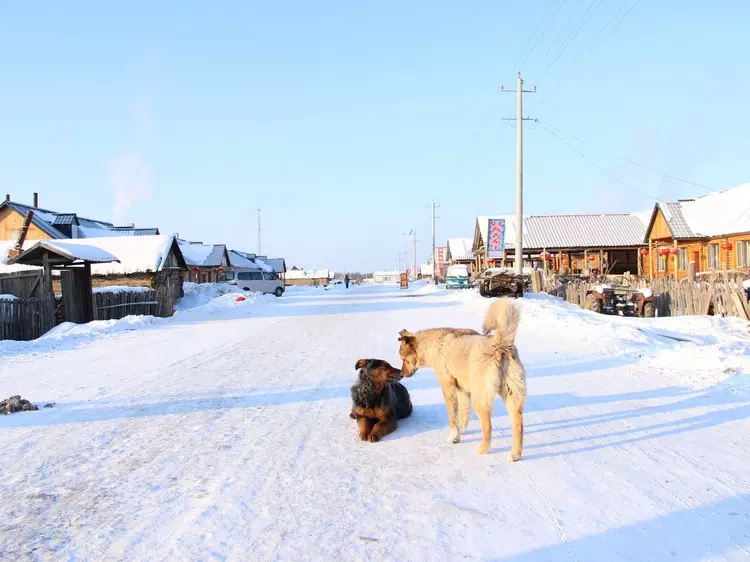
<point>457,277</point>
<point>255,280</point>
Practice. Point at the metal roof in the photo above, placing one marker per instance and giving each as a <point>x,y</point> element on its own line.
<point>38,219</point>
<point>583,231</point>
<point>67,218</point>
<point>569,231</point>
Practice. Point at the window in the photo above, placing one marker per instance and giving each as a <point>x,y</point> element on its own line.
<point>269,277</point>
<point>713,256</point>
<point>662,263</point>
<point>227,276</point>
<point>682,259</point>
<point>250,276</point>
<point>743,253</point>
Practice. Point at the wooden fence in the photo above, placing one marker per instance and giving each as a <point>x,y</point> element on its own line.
<point>26,319</point>
<point>721,297</point>
<point>113,306</point>
<point>23,284</point>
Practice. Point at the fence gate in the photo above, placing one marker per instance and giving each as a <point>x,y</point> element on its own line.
<point>76,293</point>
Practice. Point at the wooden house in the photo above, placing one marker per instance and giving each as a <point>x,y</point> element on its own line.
<point>458,251</point>
<point>608,242</point>
<point>205,262</point>
<point>309,277</point>
<point>143,261</point>
<point>711,232</point>
<point>52,225</point>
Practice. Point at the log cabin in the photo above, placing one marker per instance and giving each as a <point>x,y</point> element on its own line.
<point>710,232</point>
<point>607,242</point>
<point>52,225</point>
<point>458,251</point>
<point>205,262</point>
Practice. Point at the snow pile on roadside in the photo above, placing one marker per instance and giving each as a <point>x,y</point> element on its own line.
<point>120,289</point>
<point>701,351</point>
<point>7,297</point>
<point>224,303</point>
<point>200,294</point>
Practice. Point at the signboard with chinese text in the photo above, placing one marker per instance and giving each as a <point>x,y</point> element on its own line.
<point>495,238</point>
<point>404,281</point>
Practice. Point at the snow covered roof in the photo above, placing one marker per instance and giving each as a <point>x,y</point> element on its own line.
<point>569,231</point>
<point>718,214</point>
<point>73,252</point>
<point>69,225</point>
<point>460,249</point>
<point>137,254</point>
<point>204,255</point>
<point>244,260</point>
<point>278,264</point>
<point>386,273</point>
<point>309,274</point>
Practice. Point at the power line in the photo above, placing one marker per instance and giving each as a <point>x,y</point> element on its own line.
<point>581,23</point>
<point>633,162</point>
<point>545,29</point>
<point>590,161</point>
<point>531,38</point>
<point>564,77</point>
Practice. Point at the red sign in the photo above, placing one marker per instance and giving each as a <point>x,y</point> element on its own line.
<point>404,281</point>
<point>440,251</point>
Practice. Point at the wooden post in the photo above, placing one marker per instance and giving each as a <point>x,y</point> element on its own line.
<point>691,271</point>
<point>650,259</point>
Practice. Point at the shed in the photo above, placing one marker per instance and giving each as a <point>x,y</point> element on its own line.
<point>74,262</point>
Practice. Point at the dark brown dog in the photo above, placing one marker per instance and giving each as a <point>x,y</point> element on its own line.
<point>378,399</point>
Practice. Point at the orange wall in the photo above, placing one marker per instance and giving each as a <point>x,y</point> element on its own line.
<point>11,221</point>
<point>660,230</point>
<point>727,258</point>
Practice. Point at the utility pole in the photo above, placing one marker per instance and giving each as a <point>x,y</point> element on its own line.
<point>414,255</point>
<point>518,255</point>
<point>434,253</point>
<point>260,249</point>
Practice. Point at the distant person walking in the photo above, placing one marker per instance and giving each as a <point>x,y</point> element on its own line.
<point>346,280</point>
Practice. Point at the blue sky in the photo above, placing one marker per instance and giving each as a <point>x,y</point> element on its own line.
<point>342,120</point>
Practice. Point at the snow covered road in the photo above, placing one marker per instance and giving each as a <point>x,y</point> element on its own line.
<point>226,436</point>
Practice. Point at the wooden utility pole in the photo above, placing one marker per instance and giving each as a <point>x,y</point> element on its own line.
<point>518,254</point>
<point>414,255</point>
<point>260,248</point>
<point>434,252</point>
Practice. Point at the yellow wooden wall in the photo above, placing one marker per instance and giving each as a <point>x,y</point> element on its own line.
<point>727,258</point>
<point>11,222</point>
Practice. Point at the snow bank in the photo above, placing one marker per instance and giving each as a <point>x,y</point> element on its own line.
<point>7,297</point>
<point>200,294</point>
<point>120,289</point>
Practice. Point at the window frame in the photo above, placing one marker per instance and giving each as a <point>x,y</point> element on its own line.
<point>716,256</point>
<point>682,259</point>
<point>743,256</point>
<point>661,263</point>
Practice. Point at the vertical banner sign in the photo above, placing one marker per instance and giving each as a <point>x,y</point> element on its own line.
<point>495,238</point>
<point>404,281</point>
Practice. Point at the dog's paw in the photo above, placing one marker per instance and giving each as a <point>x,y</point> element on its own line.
<point>513,457</point>
<point>464,426</point>
<point>374,437</point>
<point>363,436</point>
<point>455,436</point>
<point>483,448</point>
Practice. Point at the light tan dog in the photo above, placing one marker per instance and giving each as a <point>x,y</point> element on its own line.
<point>474,368</point>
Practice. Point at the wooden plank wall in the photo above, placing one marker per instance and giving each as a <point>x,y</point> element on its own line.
<point>23,284</point>
<point>26,319</point>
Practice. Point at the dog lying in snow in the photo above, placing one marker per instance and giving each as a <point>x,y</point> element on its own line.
<point>378,399</point>
<point>472,369</point>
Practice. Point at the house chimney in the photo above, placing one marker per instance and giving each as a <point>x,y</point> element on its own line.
<point>7,196</point>
<point>36,200</point>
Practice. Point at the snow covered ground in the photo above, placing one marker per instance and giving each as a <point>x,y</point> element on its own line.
<point>223,434</point>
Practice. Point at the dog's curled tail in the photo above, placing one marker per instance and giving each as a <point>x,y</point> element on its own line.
<point>503,317</point>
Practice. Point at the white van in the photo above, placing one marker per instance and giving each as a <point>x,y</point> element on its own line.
<point>255,280</point>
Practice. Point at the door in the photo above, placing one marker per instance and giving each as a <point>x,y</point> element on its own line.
<point>270,282</point>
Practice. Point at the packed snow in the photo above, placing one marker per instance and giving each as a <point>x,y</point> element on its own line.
<point>223,433</point>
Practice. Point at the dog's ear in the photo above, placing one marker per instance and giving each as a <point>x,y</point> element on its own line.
<point>405,335</point>
<point>361,364</point>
